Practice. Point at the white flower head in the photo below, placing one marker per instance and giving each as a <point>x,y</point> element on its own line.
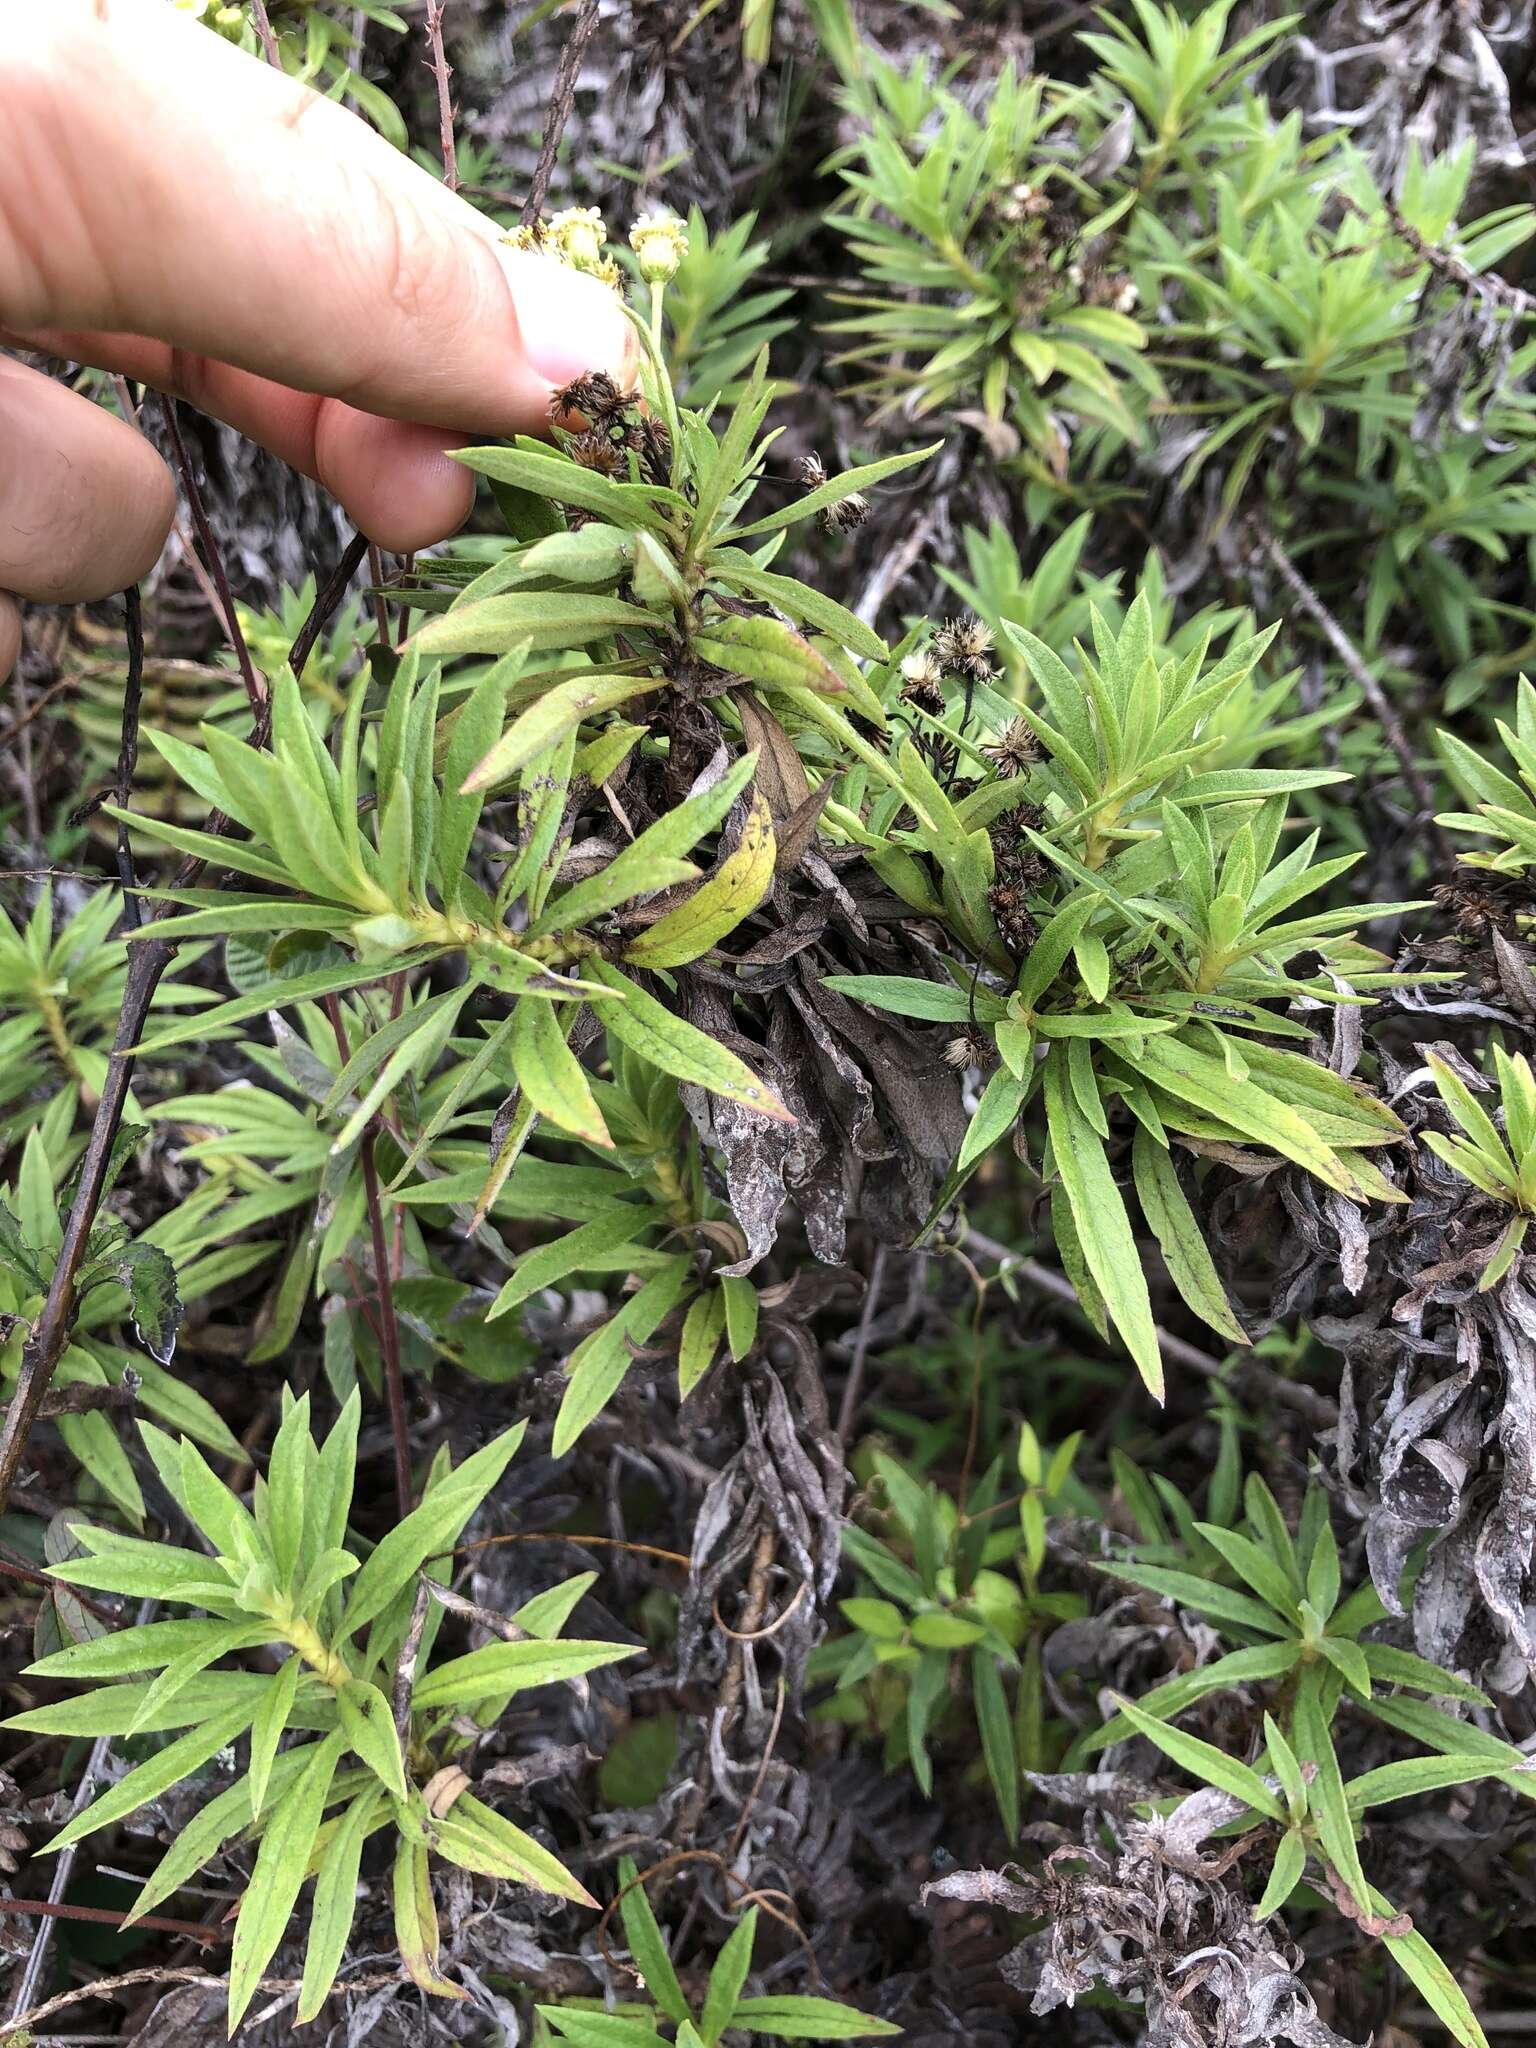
<point>661,242</point>
<point>578,234</point>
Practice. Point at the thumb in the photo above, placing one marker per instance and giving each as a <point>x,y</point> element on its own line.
<point>159,184</point>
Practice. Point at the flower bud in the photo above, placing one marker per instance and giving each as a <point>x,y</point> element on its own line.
<point>578,234</point>
<point>661,242</point>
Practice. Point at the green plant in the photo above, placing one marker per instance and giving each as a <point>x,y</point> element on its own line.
<point>1124,918</point>
<point>778,2016</point>
<point>1505,810</point>
<point>954,1603</point>
<point>376,1730</point>
<point>967,227</point>
<point>313,46</point>
<point>63,991</point>
<point>123,1278</point>
<point>657,579</point>
<point>1501,1163</point>
<point>718,320</point>
<point>1278,1598</point>
<point>1309,316</point>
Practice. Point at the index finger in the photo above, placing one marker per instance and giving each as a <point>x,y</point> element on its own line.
<point>156,181</point>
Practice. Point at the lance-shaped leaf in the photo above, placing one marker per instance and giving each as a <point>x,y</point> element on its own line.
<point>558,711</point>
<point>766,652</point>
<point>680,1049</point>
<point>735,889</point>
<point>1103,1227</point>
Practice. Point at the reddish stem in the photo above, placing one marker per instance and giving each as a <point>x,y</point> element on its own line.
<point>388,1328</point>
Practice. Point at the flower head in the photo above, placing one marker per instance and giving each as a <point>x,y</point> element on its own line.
<point>1014,749</point>
<point>661,242</point>
<point>922,681</point>
<point>964,645</point>
<point>578,234</point>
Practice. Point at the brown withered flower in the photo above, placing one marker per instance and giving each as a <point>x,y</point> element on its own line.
<point>1482,902</point>
<point>964,647</point>
<point>596,398</point>
<point>596,451</point>
<point>845,514</point>
<point>1015,750</point>
<point>1016,926</point>
<point>1009,830</point>
<point>922,682</point>
<point>970,1047</point>
<point>941,754</point>
<point>653,444</point>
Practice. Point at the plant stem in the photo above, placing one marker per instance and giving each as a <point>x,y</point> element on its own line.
<point>441,71</point>
<point>388,1324</point>
<point>1381,706</point>
<point>306,1641</point>
<point>148,960</point>
<point>559,111</point>
<point>255,689</point>
<point>389,1330</point>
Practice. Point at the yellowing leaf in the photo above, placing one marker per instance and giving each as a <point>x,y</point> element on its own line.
<point>558,711</point>
<point>768,652</point>
<point>738,884</point>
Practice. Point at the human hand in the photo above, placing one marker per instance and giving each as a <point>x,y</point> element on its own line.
<point>176,211</point>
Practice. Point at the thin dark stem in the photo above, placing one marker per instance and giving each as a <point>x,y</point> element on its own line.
<point>380,608</point>
<point>403,619</point>
<point>327,599</point>
<point>13,1568</point>
<point>148,960</point>
<point>559,111</point>
<point>442,72</point>
<point>128,750</point>
<point>56,1909</point>
<point>255,690</point>
<point>264,30</point>
<point>50,1333</point>
<point>1247,1374</point>
<point>388,1327</point>
<point>31,1973</point>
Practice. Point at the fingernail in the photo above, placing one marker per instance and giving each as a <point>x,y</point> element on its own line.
<point>570,323</point>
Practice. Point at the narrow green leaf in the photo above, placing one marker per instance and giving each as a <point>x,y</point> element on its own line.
<point>1103,1228</point>
<point>648,1946</point>
<point>281,1863</point>
<point>727,1978</point>
<point>1203,1760</point>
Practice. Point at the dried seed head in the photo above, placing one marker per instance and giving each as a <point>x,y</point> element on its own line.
<point>1114,289</point>
<point>596,451</point>
<point>1015,925</point>
<point>578,235</point>
<point>1023,202</point>
<point>846,514</point>
<point>660,241</point>
<point>812,471</point>
<point>1476,906</point>
<point>941,754</point>
<point>964,645</point>
<point>1009,829</point>
<point>1015,749</point>
<point>653,444</point>
<point>970,1048</point>
<point>596,397</point>
<point>922,682</point>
